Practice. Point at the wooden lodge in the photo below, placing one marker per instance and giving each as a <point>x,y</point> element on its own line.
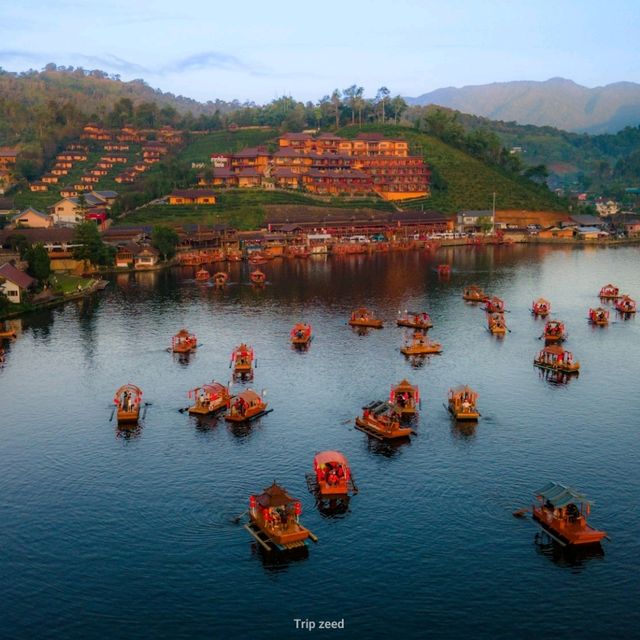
<point>274,520</point>
<point>562,513</point>
<point>192,196</point>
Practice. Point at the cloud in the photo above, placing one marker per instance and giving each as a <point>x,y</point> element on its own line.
<point>206,60</point>
<point>110,62</point>
<point>17,54</point>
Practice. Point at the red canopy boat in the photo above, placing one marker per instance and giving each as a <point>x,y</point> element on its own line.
<point>626,304</point>
<point>419,320</point>
<point>246,406</point>
<point>301,334</point>
<point>541,307</point>
<point>380,421</point>
<point>494,305</point>
<point>209,398</point>
<point>556,358</point>
<point>274,520</point>
<point>242,360</point>
<point>183,342</point>
<point>599,316</point>
<point>127,399</point>
<point>405,398</point>
<point>554,331</point>
<point>202,275</point>
<point>609,292</point>
<point>333,475</point>
<point>258,277</point>
<point>474,293</point>
<point>562,512</point>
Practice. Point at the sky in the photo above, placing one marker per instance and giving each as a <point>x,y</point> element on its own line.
<point>259,50</point>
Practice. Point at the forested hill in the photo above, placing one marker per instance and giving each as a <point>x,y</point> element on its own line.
<point>34,104</point>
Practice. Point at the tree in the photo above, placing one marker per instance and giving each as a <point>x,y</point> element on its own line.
<point>352,95</point>
<point>39,262</point>
<point>165,240</point>
<point>485,223</point>
<point>381,98</point>
<point>398,106</point>
<point>537,173</point>
<point>90,248</point>
<point>337,103</point>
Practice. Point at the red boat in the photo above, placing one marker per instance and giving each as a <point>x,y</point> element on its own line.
<point>554,331</point>
<point>333,476</point>
<point>494,305</point>
<point>202,275</point>
<point>554,357</point>
<point>246,406</point>
<point>599,316</point>
<point>541,307</point>
<point>626,304</point>
<point>258,277</point>
<point>183,342</point>
<point>301,334</point>
<point>562,512</point>
<point>242,360</point>
<point>128,399</point>
<point>421,320</point>
<point>405,398</point>
<point>474,293</point>
<point>220,278</point>
<point>444,270</point>
<point>609,292</point>
<point>274,520</point>
<point>380,421</point>
<point>209,399</point>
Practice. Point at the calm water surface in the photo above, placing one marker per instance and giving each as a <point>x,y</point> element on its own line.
<point>131,533</point>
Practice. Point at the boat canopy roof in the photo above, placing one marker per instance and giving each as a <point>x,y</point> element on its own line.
<point>131,388</point>
<point>330,456</point>
<point>249,395</point>
<point>183,333</point>
<point>560,496</point>
<point>404,384</point>
<point>213,388</point>
<point>274,496</point>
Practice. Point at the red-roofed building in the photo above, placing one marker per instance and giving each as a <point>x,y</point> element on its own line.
<point>14,283</point>
<point>192,196</point>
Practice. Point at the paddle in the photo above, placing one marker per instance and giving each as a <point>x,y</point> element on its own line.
<point>237,519</point>
<point>112,412</point>
<point>521,513</point>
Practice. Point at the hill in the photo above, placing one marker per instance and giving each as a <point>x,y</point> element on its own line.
<point>556,102</point>
<point>465,182</point>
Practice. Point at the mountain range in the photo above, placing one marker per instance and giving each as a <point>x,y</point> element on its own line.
<point>557,102</point>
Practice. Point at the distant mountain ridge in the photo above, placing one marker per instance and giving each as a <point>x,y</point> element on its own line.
<point>557,102</point>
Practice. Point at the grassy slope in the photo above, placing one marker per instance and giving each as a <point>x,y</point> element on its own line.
<point>471,183</point>
<point>41,201</point>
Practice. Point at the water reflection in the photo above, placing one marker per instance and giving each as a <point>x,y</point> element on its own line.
<point>334,507</point>
<point>128,431</point>
<point>387,449</point>
<point>574,558</point>
<point>279,561</point>
<point>463,430</point>
<point>555,378</point>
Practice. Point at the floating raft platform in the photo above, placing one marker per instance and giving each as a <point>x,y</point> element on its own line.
<point>268,544</point>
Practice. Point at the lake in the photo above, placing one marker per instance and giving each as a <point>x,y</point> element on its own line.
<point>131,533</point>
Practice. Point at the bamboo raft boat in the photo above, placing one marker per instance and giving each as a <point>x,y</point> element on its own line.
<point>301,334</point>
<point>599,316</point>
<point>496,323</point>
<point>541,308</point>
<point>332,475</point>
<point>474,293</point>
<point>404,398</point>
<point>362,317</point>
<point>380,421</point>
<point>609,292</point>
<point>626,304</point>
<point>183,342</point>
<point>220,278</point>
<point>246,406</point>
<point>274,520</point>
<point>462,403</point>
<point>209,399</point>
<point>242,359</point>
<point>554,331</point>
<point>258,277</point>
<point>555,358</point>
<point>202,275</point>
<point>419,345</point>
<point>127,400</point>
<point>494,304</point>
<point>420,320</point>
<point>562,513</point>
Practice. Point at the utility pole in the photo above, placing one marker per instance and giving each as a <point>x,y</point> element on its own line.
<point>493,215</point>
